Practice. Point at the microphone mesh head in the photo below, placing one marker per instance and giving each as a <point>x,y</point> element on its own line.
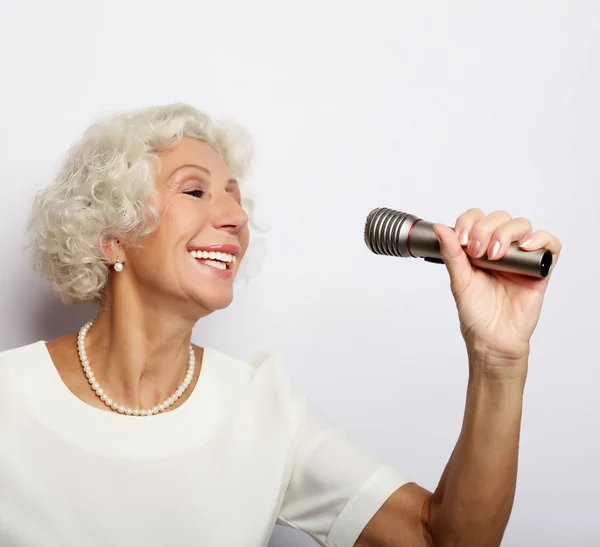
<point>382,231</point>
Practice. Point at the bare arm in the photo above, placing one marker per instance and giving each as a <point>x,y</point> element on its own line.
<point>473,500</point>
<point>498,314</point>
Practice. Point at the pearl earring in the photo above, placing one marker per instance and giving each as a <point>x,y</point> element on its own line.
<point>118,266</point>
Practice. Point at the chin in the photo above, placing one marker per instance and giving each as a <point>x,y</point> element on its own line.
<point>210,291</point>
<point>214,302</point>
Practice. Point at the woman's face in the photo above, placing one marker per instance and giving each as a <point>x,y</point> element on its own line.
<point>195,253</point>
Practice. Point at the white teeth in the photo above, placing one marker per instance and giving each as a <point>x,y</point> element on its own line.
<point>220,265</point>
<point>214,255</point>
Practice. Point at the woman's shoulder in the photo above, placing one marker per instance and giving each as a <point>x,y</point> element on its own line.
<point>19,354</point>
<point>17,364</point>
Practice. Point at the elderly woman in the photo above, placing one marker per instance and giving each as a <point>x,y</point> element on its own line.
<point>125,433</point>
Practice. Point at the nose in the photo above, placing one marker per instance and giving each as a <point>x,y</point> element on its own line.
<point>229,215</point>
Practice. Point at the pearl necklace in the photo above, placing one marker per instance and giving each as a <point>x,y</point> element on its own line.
<point>113,404</point>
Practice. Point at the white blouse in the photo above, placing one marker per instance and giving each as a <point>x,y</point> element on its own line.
<point>245,451</point>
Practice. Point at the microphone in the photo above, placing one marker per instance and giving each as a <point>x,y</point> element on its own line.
<point>394,233</point>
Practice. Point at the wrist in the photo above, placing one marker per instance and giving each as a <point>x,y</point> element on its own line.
<point>490,366</point>
<point>494,392</point>
<point>497,350</point>
<point>496,386</point>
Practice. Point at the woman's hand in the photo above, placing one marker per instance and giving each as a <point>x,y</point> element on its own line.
<point>498,311</point>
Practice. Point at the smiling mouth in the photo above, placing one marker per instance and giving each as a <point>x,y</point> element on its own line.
<point>216,259</point>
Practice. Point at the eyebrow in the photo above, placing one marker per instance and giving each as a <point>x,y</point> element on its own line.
<point>199,167</point>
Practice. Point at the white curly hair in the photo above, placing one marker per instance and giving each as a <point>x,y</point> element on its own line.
<point>104,187</point>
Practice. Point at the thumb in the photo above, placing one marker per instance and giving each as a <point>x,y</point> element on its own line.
<point>455,259</point>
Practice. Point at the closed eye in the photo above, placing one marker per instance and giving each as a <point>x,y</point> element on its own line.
<point>195,193</point>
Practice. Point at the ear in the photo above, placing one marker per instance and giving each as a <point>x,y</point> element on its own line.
<point>114,250</point>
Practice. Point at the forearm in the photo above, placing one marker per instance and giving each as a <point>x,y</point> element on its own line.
<point>472,503</point>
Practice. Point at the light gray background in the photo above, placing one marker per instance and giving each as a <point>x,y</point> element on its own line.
<point>430,107</point>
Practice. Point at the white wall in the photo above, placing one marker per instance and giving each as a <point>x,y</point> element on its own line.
<point>429,107</point>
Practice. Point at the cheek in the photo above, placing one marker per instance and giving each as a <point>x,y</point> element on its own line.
<point>179,221</point>
<point>158,247</point>
<point>178,225</point>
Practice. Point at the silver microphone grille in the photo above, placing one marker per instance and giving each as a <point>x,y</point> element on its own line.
<point>383,232</point>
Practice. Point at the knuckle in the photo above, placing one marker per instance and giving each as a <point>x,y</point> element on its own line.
<point>470,216</point>
<point>474,213</point>
<point>523,221</point>
<point>500,216</point>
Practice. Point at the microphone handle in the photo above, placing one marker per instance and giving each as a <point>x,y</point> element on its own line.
<point>423,243</point>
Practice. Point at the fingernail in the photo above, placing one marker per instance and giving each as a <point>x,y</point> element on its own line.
<point>495,249</point>
<point>462,238</point>
<point>526,242</point>
<point>473,247</point>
